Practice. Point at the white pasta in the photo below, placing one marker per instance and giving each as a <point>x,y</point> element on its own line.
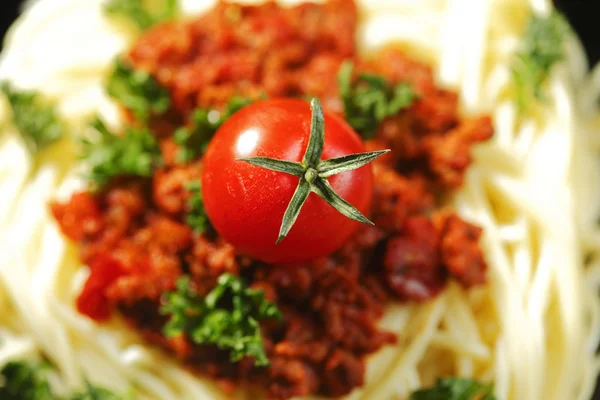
<point>534,189</point>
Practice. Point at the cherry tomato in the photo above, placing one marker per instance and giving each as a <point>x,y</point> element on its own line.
<point>245,203</point>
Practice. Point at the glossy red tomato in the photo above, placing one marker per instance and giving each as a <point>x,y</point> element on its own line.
<point>245,203</point>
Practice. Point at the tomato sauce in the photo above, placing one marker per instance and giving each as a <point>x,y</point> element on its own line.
<point>133,234</point>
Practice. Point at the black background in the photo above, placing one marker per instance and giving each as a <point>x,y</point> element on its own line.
<point>583,15</point>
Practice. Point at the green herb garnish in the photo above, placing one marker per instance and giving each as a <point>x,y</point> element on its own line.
<point>96,393</point>
<point>194,139</point>
<point>455,389</point>
<point>228,317</point>
<point>109,155</point>
<point>137,91</point>
<point>36,119</point>
<point>196,215</point>
<point>371,99</point>
<point>24,381</point>
<point>314,172</point>
<point>540,49</point>
<point>21,380</point>
<point>143,13</point>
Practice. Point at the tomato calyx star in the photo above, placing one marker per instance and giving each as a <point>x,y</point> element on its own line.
<point>313,173</point>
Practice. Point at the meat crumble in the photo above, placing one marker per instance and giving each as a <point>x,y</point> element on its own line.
<point>133,236</point>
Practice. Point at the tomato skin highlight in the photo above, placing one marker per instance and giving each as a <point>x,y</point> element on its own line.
<point>246,203</point>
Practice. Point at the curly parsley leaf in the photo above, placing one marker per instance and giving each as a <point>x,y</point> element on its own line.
<point>194,139</point>
<point>36,120</point>
<point>196,215</point>
<point>228,317</point>
<point>109,155</point>
<point>371,98</point>
<point>137,91</point>
<point>455,389</point>
<point>141,13</point>
<point>540,49</point>
<point>96,393</point>
<point>22,380</point>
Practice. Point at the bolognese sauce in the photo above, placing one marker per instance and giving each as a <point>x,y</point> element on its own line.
<point>133,236</point>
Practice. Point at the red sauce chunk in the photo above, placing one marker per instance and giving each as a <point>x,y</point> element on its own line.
<point>92,301</point>
<point>133,233</point>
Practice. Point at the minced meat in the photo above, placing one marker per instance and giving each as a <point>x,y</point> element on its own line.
<point>133,236</point>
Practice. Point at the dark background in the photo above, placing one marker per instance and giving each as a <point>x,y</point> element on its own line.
<point>583,15</point>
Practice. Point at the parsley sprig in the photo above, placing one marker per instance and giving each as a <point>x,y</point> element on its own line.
<point>137,91</point>
<point>140,12</point>
<point>194,138</point>
<point>455,389</point>
<point>227,317</point>
<point>35,118</point>
<point>370,99</point>
<point>196,215</point>
<point>22,380</point>
<point>109,155</point>
<point>540,49</point>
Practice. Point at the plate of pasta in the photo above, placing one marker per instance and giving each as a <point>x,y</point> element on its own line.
<point>356,199</point>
